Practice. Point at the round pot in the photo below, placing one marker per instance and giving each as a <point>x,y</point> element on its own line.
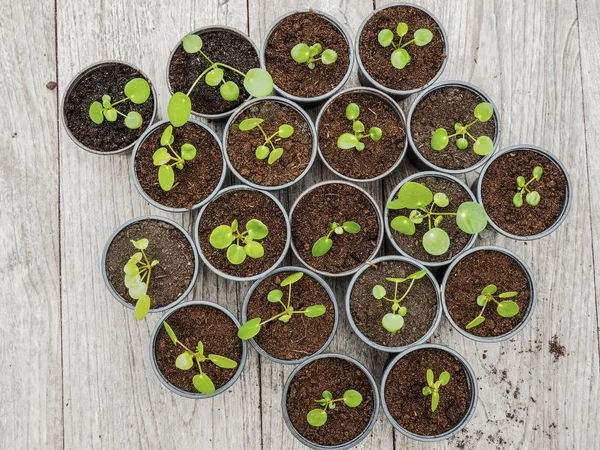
<point>383,96</point>
<point>110,287</point>
<point>223,274</point>
<point>472,381</point>
<point>389,232</point>
<point>346,445</point>
<point>310,101</point>
<point>143,193</point>
<point>424,164</point>
<point>382,348</point>
<point>568,194</point>
<point>285,102</point>
<point>77,78</point>
<point>177,390</point>
<point>366,79</point>
<point>379,217</point>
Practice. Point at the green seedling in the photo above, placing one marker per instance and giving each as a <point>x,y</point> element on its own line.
<point>309,55</point>
<point>253,326</point>
<point>185,361</point>
<point>137,277</point>
<point>317,417</point>
<point>240,244</point>
<point>433,388</point>
<point>394,321</point>
<point>353,140</point>
<point>505,308</point>
<point>400,56</point>
<point>324,243</point>
<point>531,197</point>
<point>137,91</point>
<point>263,151</point>
<point>166,157</point>
<point>257,82</point>
<point>482,146</point>
<point>470,216</point>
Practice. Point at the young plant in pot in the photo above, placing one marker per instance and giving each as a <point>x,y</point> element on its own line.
<point>107,107</point>
<point>150,264</point>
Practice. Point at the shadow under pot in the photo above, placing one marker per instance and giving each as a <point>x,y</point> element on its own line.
<point>178,169</point>
<point>150,264</point>
<point>401,48</point>
<point>270,143</point>
<point>393,304</point>
<point>107,106</point>
<point>195,351</point>
<point>429,392</point>
<point>453,127</point>
<point>336,228</point>
<point>362,134</point>
<point>309,55</point>
<point>279,309</point>
<point>242,233</point>
<point>330,401</point>
<point>525,191</point>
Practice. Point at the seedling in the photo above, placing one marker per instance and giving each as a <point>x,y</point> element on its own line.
<point>353,140</point>
<point>257,82</point>
<point>433,388</point>
<point>263,151</point>
<point>505,308</point>
<point>531,197</point>
<point>482,146</point>
<point>185,361</point>
<point>166,160</point>
<point>470,216</point>
<point>317,417</point>
<point>400,56</point>
<point>309,55</point>
<point>324,243</point>
<point>252,327</point>
<point>137,277</point>
<point>137,91</point>
<point>394,321</point>
<point>224,236</point>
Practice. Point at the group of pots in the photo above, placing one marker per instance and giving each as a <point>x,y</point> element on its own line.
<point>393,303</point>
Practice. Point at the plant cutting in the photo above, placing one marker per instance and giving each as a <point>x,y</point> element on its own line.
<point>531,197</point>
<point>505,308</point>
<point>433,387</point>
<point>310,55</point>
<point>137,277</point>
<point>353,140</point>
<point>166,157</point>
<point>223,237</point>
<point>136,91</point>
<point>324,243</point>
<point>317,417</point>
<point>273,154</point>
<point>400,57</point>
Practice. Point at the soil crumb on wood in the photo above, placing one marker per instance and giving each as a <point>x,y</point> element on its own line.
<point>556,348</point>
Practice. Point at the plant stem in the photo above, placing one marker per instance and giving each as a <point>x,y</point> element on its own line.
<point>231,68</point>
<point>199,78</point>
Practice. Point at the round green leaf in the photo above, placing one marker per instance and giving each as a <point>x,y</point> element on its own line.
<point>221,237</point>
<point>484,111</point>
<point>360,146</point>
<point>347,141</point>
<point>396,279</point>
<point>138,90</point>
<point>403,225</point>
<point>258,83</point>
<point>229,91</point>
<point>184,361</point>
<point>274,296</point>
<point>385,37</point>
<point>166,177</point>
<point>379,291</point>
<point>426,391</point>
<point>482,300</point>
<point>131,269</point>
<point>254,249</point>
<point>490,289</point>
<point>179,109</point>
<point>141,244</point>
<point>315,49</point>
<point>311,65</point>
<point>188,152</point>
<point>327,395</point>
<point>509,294</point>
<point>400,58</point>
<point>435,400</point>
<point>520,181</point>
<point>236,254</point>
<point>414,195</point>
<point>358,126</point>
<point>285,131</point>
<point>351,227</point>
<point>214,77</point>
<point>285,318</point>
<point>439,140</point>
<point>507,308</point>
<point>352,111</point>
<point>533,198</point>
<point>375,133</point>
<point>316,417</point>
<point>429,377</point>
<point>518,199</point>
<point>462,143</point>
<point>483,146</point>
<point>110,114</point>
<point>402,311</point>
<point>471,217</point>
<point>329,57</point>
<point>166,136</point>
<point>423,37</point>
<point>275,155</point>
<point>352,398</point>
<point>262,151</point>
<point>256,229</point>
<point>402,29</point>
<point>537,172</point>
<point>475,322</point>
<point>132,280</point>
<point>392,322</point>
<point>250,124</point>
<point>300,53</point>
<point>96,113</point>
<point>436,242</point>
<point>417,275</point>
<point>170,332</point>
<point>192,43</point>
<point>291,279</point>
<point>222,362</point>
<point>441,199</point>
<point>315,311</point>
<point>444,378</point>
<point>416,217</point>
<point>249,329</point>
<point>142,307</point>
<point>203,384</point>
<point>161,156</point>
<point>322,246</point>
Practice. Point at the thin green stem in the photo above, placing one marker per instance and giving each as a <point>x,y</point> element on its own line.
<point>120,101</point>
<point>230,68</point>
<point>409,42</point>
<point>408,290</point>
<point>273,318</point>
<point>199,78</point>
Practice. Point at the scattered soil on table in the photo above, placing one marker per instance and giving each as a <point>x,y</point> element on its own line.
<point>51,85</point>
<point>241,145</point>
<point>336,376</point>
<point>556,348</point>
<point>174,272</point>
<point>405,399</point>
<point>499,186</point>
<point>108,79</point>
<point>196,323</point>
<point>378,156</point>
<point>426,61</point>
<point>220,46</point>
<point>297,79</point>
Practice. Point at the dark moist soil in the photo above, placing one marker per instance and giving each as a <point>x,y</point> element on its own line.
<point>367,311</point>
<point>499,186</point>
<point>243,205</point>
<point>220,46</point>
<point>426,61</point>
<point>108,136</point>
<point>198,178</point>
<point>297,79</point>
<point>174,272</point>
<point>470,276</point>
<point>301,336</point>
<point>336,376</point>
<point>241,145</point>
<point>405,399</point>
<point>413,245</point>
<point>378,156</point>
<point>442,109</point>
<point>335,203</point>
<point>196,323</point>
